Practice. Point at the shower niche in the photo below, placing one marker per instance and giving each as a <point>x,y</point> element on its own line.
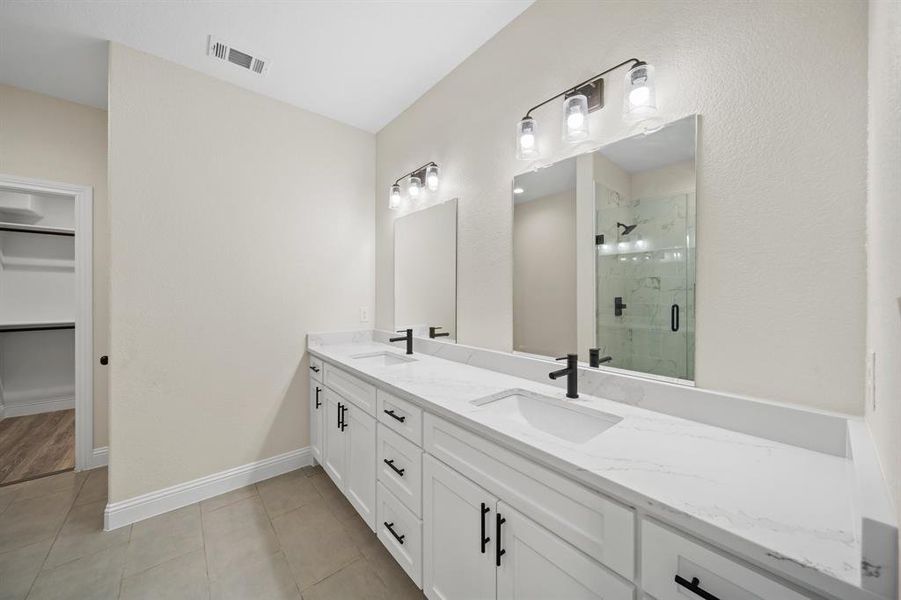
<point>604,254</point>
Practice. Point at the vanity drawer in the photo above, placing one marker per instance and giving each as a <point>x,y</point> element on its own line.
<point>315,368</point>
<point>403,538</point>
<point>666,554</point>
<point>400,468</point>
<point>403,417</point>
<point>354,389</point>
<point>596,525</point>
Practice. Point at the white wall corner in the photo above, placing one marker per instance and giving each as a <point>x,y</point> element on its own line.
<point>126,512</point>
<point>100,458</point>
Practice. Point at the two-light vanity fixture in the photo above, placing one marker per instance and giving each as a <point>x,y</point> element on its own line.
<point>427,173</point>
<point>639,102</point>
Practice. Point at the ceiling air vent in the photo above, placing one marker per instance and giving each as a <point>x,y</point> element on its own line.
<point>246,60</point>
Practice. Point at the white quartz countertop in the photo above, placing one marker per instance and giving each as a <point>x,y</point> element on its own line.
<point>771,501</point>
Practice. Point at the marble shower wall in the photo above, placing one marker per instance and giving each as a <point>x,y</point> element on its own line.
<point>651,268</point>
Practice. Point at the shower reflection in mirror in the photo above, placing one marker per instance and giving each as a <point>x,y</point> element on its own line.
<point>604,254</point>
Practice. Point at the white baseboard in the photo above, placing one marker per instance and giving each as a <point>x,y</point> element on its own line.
<point>126,512</point>
<point>100,458</point>
<point>33,407</point>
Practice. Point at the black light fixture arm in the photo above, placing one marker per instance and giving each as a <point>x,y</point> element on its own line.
<point>635,62</point>
<point>431,163</point>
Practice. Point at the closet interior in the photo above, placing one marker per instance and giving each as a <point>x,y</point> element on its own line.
<point>37,335</point>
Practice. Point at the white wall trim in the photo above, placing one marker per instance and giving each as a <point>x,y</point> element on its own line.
<point>37,406</point>
<point>126,512</point>
<point>84,303</point>
<point>100,458</point>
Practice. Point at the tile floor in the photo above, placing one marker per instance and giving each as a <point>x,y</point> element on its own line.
<point>289,537</point>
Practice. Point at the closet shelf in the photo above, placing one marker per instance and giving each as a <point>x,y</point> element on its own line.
<point>25,228</point>
<point>36,326</point>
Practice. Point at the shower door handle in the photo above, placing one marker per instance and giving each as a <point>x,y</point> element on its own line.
<point>674,317</point>
<point>618,306</point>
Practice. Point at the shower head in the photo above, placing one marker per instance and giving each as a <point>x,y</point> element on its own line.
<point>627,229</point>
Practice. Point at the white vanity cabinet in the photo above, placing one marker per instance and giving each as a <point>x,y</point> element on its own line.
<point>349,452</point>
<point>317,418</point>
<point>476,546</point>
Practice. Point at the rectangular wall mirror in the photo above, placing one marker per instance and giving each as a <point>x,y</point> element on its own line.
<point>604,254</point>
<point>425,271</point>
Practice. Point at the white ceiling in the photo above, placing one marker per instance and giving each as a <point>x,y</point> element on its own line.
<point>360,62</point>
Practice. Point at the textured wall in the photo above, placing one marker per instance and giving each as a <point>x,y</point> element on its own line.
<point>238,225</point>
<point>781,173</point>
<point>884,236</point>
<point>47,138</point>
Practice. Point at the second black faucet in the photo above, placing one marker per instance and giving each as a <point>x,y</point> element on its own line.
<point>406,338</point>
<point>572,374</point>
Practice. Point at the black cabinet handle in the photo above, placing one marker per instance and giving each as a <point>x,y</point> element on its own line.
<point>695,586</point>
<point>339,415</point>
<point>674,317</point>
<point>390,526</point>
<point>314,369</point>
<point>394,415</point>
<point>318,402</point>
<point>104,360</point>
<point>485,540</point>
<point>390,463</point>
<point>498,551</point>
<point>343,417</point>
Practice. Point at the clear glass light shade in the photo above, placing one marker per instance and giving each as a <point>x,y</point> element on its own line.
<point>640,97</point>
<point>414,187</point>
<point>431,177</point>
<point>526,139</point>
<point>575,118</point>
<point>394,197</point>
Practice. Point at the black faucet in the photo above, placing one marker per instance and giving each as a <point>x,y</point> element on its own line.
<point>594,357</point>
<point>433,332</point>
<point>408,337</point>
<point>572,374</point>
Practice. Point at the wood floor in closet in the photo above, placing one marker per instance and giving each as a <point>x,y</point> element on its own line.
<point>36,445</point>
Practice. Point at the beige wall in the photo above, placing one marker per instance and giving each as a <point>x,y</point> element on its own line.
<point>544,275</point>
<point>883,237</point>
<point>781,173</point>
<point>47,138</point>
<point>238,224</point>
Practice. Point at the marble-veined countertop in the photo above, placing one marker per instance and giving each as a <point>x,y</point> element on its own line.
<point>770,501</point>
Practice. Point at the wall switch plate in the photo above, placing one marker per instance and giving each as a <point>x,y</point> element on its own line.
<point>871,380</point>
<point>364,314</point>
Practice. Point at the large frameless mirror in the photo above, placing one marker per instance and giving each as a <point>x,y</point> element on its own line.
<point>604,255</point>
<point>425,271</point>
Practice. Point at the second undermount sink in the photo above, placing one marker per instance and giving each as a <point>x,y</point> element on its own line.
<point>526,410</point>
<point>382,359</point>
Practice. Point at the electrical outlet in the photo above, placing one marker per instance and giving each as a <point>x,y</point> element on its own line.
<point>871,379</point>
<point>364,314</point>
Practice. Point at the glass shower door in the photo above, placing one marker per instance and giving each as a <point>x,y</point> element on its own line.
<point>645,281</point>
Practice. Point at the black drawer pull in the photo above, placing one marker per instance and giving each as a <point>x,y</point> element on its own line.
<point>498,551</point>
<point>339,415</point>
<point>314,369</point>
<point>674,317</point>
<point>390,463</point>
<point>485,540</point>
<point>394,415</point>
<point>695,586</point>
<point>318,401</point>
<point>390,526</point>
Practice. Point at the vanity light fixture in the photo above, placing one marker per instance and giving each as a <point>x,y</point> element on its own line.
<point>427,172</point>
<point>639,102</point>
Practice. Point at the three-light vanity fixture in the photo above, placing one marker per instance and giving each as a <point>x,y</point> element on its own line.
<point>639,102</point>
<point>427,173</point>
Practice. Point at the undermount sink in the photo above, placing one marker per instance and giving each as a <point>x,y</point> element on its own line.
<point>528,410</point>
<point>382,359</point>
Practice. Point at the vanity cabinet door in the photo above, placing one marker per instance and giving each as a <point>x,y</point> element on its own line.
<point>457,563</point>
<point>361,471</point>
<point>334,443</point>
<point>317,418</point>
<point>536,564</point>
